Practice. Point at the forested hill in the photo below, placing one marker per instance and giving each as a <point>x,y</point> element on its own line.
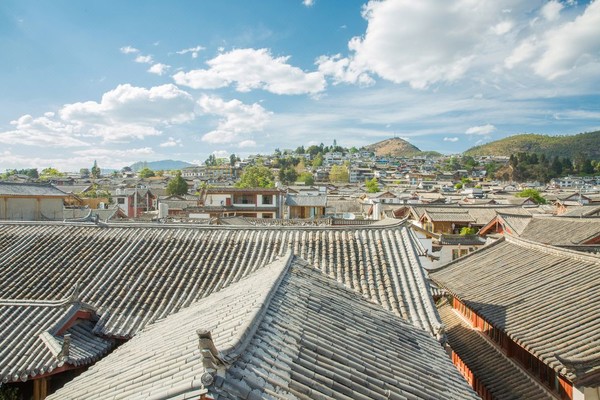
<point>587,144</point>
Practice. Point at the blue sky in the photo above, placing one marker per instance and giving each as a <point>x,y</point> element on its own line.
<point>126,81</point>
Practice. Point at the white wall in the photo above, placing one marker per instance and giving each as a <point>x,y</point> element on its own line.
<point>216,199</point>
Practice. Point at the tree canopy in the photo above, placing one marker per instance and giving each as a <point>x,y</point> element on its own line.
<point>339,173</point>
<point>95,171</point>
<point>177,186</point>
<point>533,195</point>
<point>288,175</point>
<point>307,178</point>
<point>145,173</point>
<point>372,185</point>
<point>256,176</point>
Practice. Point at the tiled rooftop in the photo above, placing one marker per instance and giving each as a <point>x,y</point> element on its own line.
<point>285,331</point>
<point>544,298</point>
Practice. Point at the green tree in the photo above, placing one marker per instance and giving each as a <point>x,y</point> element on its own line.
<point>465,230</point>
<point>31,172</point>
<point>288,175</point>
<point>533,195</point>
<point>211,161</point>
<point>490,169</point>
<point>556,167</point>
<point>317,161</point>
<point>469,162</point>
<point>314,150</point>
<point>146,173</point>
<point>339,173</point>
<point>95,171</point>
<point>587,167</point>
<point>84,172</point>
<point>372,185</point>
<point>177,186</point>
<point>256,176</point>
<point>49,173</point>
<point>307,178</point>
<point>233,159</point>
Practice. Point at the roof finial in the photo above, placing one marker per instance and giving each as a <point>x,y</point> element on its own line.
<point>66,347</point>
<point>74,298</point>
<point>210,356</point>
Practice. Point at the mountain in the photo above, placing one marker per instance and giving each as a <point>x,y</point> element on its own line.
<point>164,165</point>
<point>395,147</point>
<point>563,146</point>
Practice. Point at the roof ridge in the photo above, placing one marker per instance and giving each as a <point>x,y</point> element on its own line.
<point>72,298</point>
<point>400,223</point>
<point>244,335</point>
<point>553,250</point>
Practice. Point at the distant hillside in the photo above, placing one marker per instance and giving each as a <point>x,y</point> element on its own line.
<point>395,147</point>
<point>164,165</point>
<point>562,146</point>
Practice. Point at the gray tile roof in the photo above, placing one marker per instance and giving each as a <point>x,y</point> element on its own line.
<point>480,215</point>
<point>306,201</point>
<point>87,214</point>
<point>502,378</point>
<point>562,230</point>
<point>436,216</point>
<point>136,274</point>
<point>30,189</point>
<point>586,210</point>
<point>543,297</point>
<point>31,337</point>
<point>516,223</point>
<point>463,240</point>
<point>286,331</point>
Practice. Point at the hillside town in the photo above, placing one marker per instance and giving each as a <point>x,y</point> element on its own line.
<point>356,276</point>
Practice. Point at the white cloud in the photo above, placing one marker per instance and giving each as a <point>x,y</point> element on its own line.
<point>251,69</point>
<point>521,53</point>
<point>551,10</point>
<point>193,50</point>
<point>142,151</point>
<point>425,42</point>
<point>244,144</point>
<point>129,111</point>
<point>45,131</point>
<point>172,142</point>
<point>342,70</point>
<point>481,130</point>
<point>553,50</point>
<point>159,69</point>
<point>124,113</point>
<point>129,50</point>
<point>221,153</point>
<point>308,3</point>
<point>503,27</point>
<point>571,45</point>
<point>144,59</point>
<point>237,119</point>
<point>106,158</point>
<point>450,139</point>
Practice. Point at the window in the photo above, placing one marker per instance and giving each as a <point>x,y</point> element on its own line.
<point>267,199</point>
<point>121,200</point>
<point>244,199</point>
